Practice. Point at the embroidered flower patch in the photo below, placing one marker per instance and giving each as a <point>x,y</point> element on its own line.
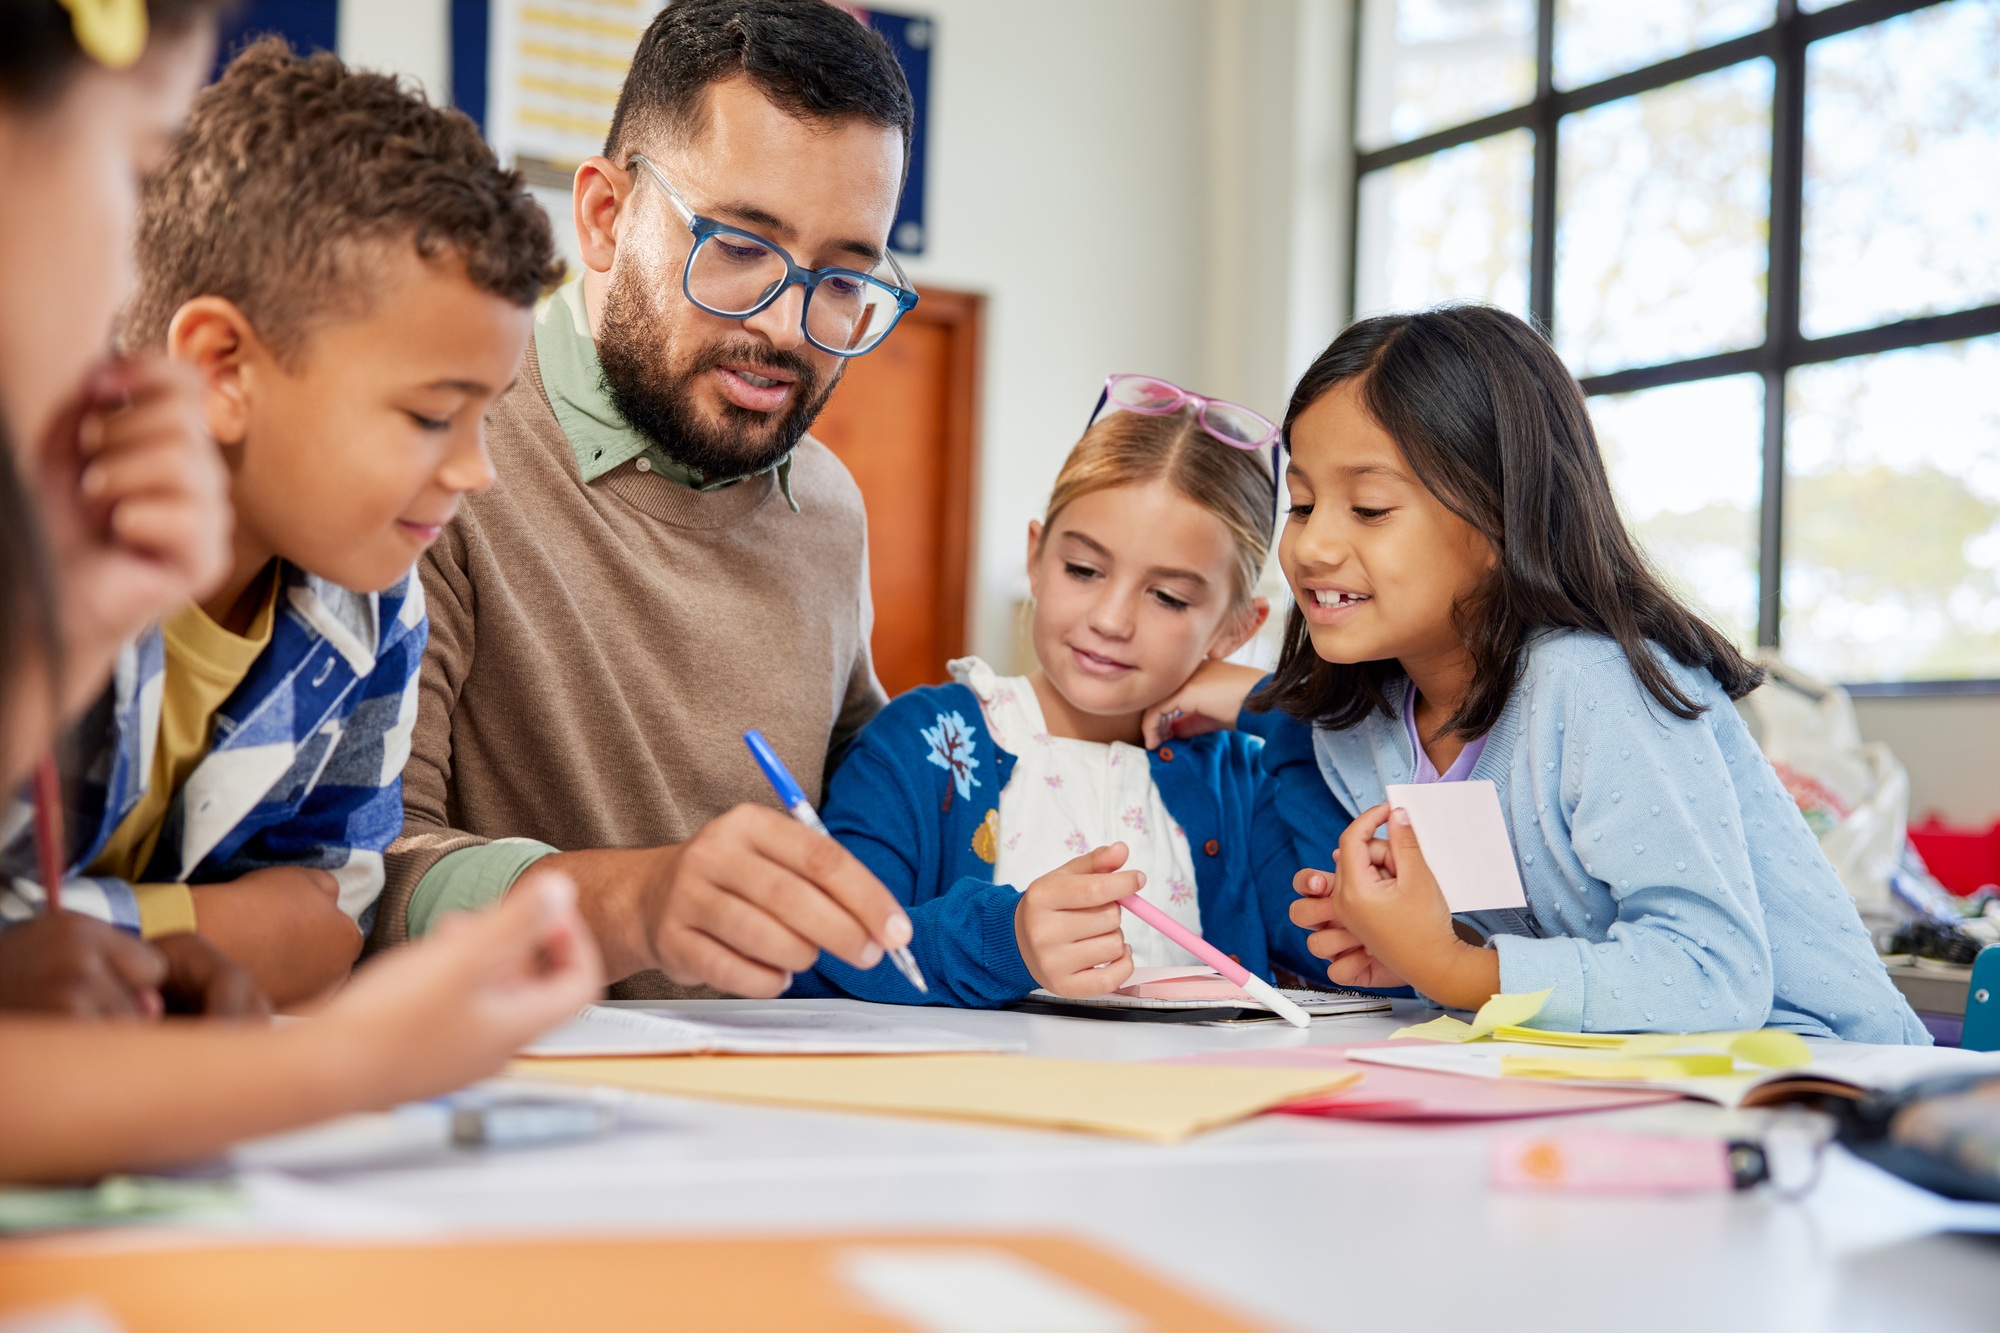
<point>986,838</point>
<point>951,750</point>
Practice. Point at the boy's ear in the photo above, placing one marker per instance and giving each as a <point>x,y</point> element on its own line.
<point>595,196</point>
<point>1034,552</point>
<point>211,334</point>
<point>1240,628</point>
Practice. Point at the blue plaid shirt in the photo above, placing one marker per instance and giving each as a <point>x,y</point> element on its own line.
<point>304,766</point>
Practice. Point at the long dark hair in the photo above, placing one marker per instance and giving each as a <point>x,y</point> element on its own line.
<point>28,637</point>
<point>1495,427</point>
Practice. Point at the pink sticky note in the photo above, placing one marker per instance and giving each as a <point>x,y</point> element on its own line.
<point>1465,843</point>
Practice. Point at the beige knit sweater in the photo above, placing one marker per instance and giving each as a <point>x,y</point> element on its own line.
<point>597,651</point>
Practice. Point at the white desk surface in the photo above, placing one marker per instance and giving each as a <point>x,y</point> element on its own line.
<point>1311,1224</point>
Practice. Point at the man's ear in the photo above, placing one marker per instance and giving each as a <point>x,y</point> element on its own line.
<point>1034,562</point>
<point>599,190</point>
<point>213,335</point>
<point>1240,628</point>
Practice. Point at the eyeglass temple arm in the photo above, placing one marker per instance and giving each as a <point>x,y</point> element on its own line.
<point>902,278</point>
<point>681,206</point>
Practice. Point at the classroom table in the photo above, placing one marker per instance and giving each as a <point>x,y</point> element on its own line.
<point>1307,1223</point>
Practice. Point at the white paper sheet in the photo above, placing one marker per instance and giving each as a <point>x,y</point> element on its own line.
<point>1465,843</point>
<point>599,1030</point>
<point>1876,1068</point>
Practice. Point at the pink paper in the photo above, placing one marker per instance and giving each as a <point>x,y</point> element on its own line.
<point>1388,1093</point>
<point>1183,983</point>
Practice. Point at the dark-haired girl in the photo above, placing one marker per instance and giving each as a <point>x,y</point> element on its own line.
<point>1469,605</point>
<point>89,93</point>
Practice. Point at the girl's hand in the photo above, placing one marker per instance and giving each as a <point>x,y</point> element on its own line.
<point>1067,925</point>
<point>1348,961</point>
<point>134,499</point>
<point>1209,700</point>
<point>452,1007</point>
<point>1386,902</point>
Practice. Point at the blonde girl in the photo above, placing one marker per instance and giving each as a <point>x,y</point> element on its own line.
<point>1010,813</point>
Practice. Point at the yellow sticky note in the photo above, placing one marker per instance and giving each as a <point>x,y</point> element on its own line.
<point>1145,1101</point>
<point>1499,1012</point>
<point>1658,1067</point>
<point>1588,1041</point>
<point>1442,1028</point>
<point>1774,1048</point>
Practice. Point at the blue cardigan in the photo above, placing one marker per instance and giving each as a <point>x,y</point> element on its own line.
<point>927,832</point>
<point>1672,884</point>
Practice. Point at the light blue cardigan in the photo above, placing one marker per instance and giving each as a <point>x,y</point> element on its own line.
<point>1672,884</point>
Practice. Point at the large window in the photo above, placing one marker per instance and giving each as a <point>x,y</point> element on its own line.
<point>1766,236</point>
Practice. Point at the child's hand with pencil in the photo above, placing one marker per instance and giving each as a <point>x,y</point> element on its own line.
<point>1068,925</point>
<point>77,966</point>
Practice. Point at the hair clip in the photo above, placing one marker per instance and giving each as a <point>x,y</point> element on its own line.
<point>111,32</point>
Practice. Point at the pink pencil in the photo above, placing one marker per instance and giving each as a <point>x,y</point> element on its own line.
<point>1238,974</point>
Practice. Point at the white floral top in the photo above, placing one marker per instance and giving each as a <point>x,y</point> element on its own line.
<point>1067,796</point>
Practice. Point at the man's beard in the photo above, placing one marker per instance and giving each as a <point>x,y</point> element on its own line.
<point>635,348</point>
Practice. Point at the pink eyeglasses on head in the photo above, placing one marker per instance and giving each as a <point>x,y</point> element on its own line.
<point>1232,423</point>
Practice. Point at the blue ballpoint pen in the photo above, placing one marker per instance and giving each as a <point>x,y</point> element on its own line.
<point>794,799</point>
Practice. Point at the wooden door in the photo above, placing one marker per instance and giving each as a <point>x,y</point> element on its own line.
<point>905,422</point>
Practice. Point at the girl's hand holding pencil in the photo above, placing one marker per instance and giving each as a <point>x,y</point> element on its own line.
<point>1069,926</point>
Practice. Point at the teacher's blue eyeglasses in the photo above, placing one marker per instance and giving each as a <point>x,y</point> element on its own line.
<point>735,273</point>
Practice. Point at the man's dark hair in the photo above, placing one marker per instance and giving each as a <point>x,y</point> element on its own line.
<point>1494,425</point>
<point>292,170</point>
<point>810,59</point>
<point>39,54</point>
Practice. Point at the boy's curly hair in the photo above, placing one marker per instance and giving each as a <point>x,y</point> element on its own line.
<point>293,170</point>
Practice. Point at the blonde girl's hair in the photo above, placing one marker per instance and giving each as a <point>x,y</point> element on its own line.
<point>1133,448</point>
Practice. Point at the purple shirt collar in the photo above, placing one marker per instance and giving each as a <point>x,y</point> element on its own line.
<point>1461,767</point>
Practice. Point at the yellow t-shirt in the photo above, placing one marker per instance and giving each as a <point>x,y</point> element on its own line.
<point>205,664</point>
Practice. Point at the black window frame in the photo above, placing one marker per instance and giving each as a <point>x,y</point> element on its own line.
<point>1784,348</point>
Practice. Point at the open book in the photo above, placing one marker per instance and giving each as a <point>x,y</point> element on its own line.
<point>1838,1068</point>
<point>1197,995</point>
<point>751,1028</point>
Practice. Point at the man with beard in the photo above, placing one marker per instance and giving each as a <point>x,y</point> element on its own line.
<point>667,559</point>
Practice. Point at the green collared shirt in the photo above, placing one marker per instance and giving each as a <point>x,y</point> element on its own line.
<point>597,430</point>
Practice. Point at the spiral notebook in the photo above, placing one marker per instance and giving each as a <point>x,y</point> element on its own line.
<point>1196,995</point>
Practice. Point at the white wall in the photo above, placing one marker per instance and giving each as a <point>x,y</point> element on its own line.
<point>410,37</point>
<point>1131,183</point>
<point>1066,147</point>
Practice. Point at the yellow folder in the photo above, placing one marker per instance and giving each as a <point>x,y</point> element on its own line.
<point>1142,1101</point>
